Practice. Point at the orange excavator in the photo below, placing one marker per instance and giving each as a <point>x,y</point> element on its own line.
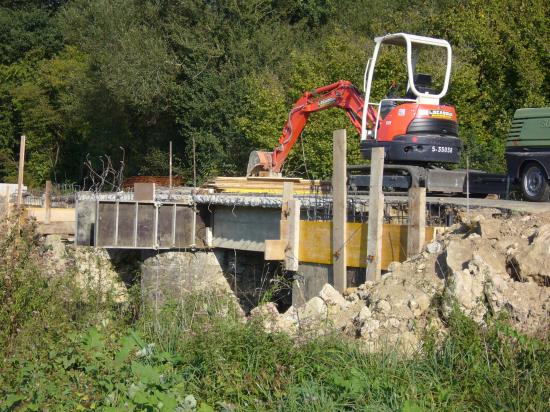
<point>416,131</point>
<point>342,94</point>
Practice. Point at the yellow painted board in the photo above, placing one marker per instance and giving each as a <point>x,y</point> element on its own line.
<point>316,243</point>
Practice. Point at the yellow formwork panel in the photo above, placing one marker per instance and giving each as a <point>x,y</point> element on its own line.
<point>316,243</point>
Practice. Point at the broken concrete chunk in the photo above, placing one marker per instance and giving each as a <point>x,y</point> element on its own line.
<point>394,266</point>
<point>434,247</point>
<point>383,306</point>
<point>363,315</point>
<point>370,326</point>
<point>490,228</point>
<point>332,297</point>
<point>458,254</point>
<point>314,309</point>
<point>532,261</point>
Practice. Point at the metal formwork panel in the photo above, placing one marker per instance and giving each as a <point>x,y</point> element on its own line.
<point>144,225</point>
<point>106,221</point>
<point>146,221</point>
<point>125,226</point>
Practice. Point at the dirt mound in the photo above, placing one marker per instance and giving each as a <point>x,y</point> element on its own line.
<point>486,264</point>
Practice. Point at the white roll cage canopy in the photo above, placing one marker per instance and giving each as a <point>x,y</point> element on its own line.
<point>412,43</point>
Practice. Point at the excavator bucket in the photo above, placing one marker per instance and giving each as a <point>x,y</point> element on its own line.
<point>258,162</point>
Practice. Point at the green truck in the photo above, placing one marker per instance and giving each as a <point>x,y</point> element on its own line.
<point>528,152</point>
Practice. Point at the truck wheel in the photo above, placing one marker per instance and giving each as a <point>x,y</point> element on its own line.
<point>534,184</point>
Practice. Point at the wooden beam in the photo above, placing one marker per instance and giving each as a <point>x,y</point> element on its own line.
<point>292,249</point>
<point>288,195</point>
<point>48,202</point>
<point>339,202</point>
<point>56,228</point>
<point>21,171</point>
<point>416,234</point>
<point>376,215</point>
<point>275,249</point>
<point>7,201</point>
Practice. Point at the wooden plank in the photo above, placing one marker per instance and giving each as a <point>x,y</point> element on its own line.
<point>339,218</point>
<point>60,214</point>
<point>48,202</point>
<point>417,221</point>
<point>271,185</point>
<point>21,171</point>
<point>376,215</point>
<point>272,179</point>
<point>292,249</point>
<point>316,245</point>
<point>275,249</point>
<point>56,228</point>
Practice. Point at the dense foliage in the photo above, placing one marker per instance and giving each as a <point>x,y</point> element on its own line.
<point>81,76</point>
<point>67,349</point>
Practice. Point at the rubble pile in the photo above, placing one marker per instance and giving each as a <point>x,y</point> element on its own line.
<point>485,265</point>
<point>93,268</point>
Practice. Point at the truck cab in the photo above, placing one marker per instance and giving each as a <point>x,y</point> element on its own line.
<point>528,152</point>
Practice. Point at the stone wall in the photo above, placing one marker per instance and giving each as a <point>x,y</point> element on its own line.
<point>172,274</point>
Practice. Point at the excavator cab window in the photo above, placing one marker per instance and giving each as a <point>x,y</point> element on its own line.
<point>423,83</point>
<point>386,105</point>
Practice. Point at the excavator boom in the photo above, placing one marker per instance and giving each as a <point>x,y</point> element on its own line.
<point>342,94</point>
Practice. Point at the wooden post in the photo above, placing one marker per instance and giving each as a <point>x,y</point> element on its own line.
<point>376,215</point>
<point>293,242</point>
<point>21,169</point>
<point>194,163</point>
<point>48,202</point>
<point>288,195</point>
<point>416,233</point>
<point>276,249</point>
<point>170,167</point>
<point>339,207</point>
<point>7,201</point>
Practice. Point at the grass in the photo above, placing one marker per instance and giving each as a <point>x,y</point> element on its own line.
<point>65,350</point>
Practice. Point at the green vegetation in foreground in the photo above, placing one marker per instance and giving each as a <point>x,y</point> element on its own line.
<point>65,350</point>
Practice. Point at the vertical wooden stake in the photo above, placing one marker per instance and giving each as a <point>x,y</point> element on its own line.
<point>376,215</point>
<point>48,202</point>
<point>339,207</point>
<point>7,201</point>
<point>416,233</point>
<point>21,169</point>
<point>194,163</point>
<point>279,249</point>
<point>293,244</point>
<point>288,194</point>
<point>170,167</point>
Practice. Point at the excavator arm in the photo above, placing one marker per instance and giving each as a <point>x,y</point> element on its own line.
<point>341,94</point>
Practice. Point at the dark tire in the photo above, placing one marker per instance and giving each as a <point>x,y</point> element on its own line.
<point>534,183</point>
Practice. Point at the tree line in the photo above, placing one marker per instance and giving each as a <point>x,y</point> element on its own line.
<point>88,77</point>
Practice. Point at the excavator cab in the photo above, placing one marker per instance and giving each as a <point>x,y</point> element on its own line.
<point>415,128</point>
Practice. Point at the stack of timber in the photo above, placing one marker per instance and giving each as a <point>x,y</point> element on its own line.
<point>267,185</point>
